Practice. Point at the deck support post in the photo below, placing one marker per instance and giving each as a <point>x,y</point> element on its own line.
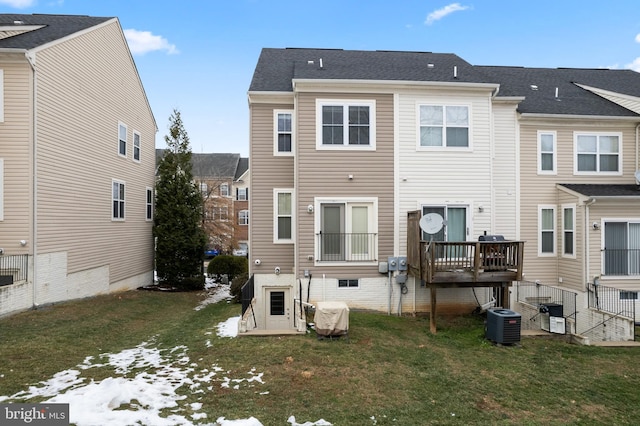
<point>432,314</point>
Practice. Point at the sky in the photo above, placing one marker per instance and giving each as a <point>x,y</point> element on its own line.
<point>198,56</point>
<point>146,380</point>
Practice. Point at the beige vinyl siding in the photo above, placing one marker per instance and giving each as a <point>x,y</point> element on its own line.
<point>16,151</point>
<point>324,173</point>
<point>86,85</point>
<point>267,172</point>
<point>541,189</point>
<point>570,269</point>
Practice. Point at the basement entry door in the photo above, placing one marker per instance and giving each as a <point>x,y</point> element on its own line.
<point>278,309</point>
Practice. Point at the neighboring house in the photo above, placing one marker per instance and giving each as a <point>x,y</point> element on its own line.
<point>344,144</point>
<point>224,184</point>
<point>77,140</point>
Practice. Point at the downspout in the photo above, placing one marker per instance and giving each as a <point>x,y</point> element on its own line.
<point>34,134</point>
<point>637,145</point>
<point>587,229</point>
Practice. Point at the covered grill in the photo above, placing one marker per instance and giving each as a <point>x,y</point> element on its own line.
<point>331,319</point>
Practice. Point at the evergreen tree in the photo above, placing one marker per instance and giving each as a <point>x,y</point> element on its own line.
<point>180,240</point>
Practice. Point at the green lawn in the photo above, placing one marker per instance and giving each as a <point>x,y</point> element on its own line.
<point>392,371</point>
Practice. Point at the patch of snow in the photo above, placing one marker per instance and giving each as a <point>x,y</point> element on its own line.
<point>229,328</point>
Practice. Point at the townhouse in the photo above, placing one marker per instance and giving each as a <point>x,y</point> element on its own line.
<point>344,144</point>
<point>77,141</point>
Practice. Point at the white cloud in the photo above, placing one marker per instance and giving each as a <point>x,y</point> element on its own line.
<point>18,4</point>
<point>436,15</point>
<point>635,65</point>
<point>141,42</point>
<point>638,38</point>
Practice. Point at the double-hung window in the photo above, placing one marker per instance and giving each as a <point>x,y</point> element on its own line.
<point>444,126</point>
<point>283,126</point>
<point>118,200</point>
<point>283,216</point>
<point>546,230</point>
<point>568,230</point>
<point>149,204</point>
<point>122,139</point>
<point>243,217</point>
<point>242,194</point>
<point>346,124</point>
<point>598,153</point>
<point>547,161</point>
<point>621,249</point>
<point>347,230</point>
<point>136,146</point>
<point>224,190</point>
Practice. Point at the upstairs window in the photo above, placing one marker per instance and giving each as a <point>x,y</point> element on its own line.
<point>243,217</point>
<point>118,200</point>
<point>444,126</point>
<point>345,124</point>
<point>122,140</point>
<point>283,132</point>
<point>547,153</point>
<point>136,146</point>
<point>224,189</point>
<point>598,153</point>
<point>242,194</point>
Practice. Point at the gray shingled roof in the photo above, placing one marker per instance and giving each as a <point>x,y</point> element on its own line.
<point>604,190</point>
<point>572,99</point>
<point>276,68</point>
<point>214,165</point>
<point>54,27</point>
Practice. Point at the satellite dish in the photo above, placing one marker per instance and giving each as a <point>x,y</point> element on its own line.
<point>637,175</point>
<point>431,223</point>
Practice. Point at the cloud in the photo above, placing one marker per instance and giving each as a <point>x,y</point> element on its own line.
<point>638,38</point>
<point>436,15</point>
<point>141,42</point>
<point>18,4</point>
<point>635,65</point>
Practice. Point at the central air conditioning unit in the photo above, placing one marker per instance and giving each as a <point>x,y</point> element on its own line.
<point>503,326</point>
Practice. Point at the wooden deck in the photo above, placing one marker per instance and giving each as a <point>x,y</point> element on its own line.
<point>443,264</point>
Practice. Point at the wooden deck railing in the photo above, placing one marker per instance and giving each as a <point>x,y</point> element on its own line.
<point>466,263</point>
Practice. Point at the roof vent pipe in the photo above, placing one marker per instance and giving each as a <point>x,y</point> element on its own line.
<point>556,92</point>
<point>321,66</point>
<point>455,71</point>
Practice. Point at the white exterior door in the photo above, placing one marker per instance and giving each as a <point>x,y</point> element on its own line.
<point>278,309</point>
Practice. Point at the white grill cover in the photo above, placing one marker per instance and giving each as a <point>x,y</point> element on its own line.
<point>331,318</point>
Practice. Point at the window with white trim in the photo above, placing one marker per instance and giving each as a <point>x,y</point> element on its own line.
<point>224,189</point>
<point>345,124</point>
<point>546,230</point>
<point>568,230</point>
<point>444,126</point>
<point>149,204</point>
<point>283,215</point>
<point>242,194</point>
<point>118,200</point>
<point>122,139</point>
<point>598,153</point>
<point>204,188</point>
<point>547,161</point>
<point>348,230</point>
<point>621,248</point>
<point>243,217</point>
<point>136,146</point>
<point>283,138</point>
<point>222,213</point>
